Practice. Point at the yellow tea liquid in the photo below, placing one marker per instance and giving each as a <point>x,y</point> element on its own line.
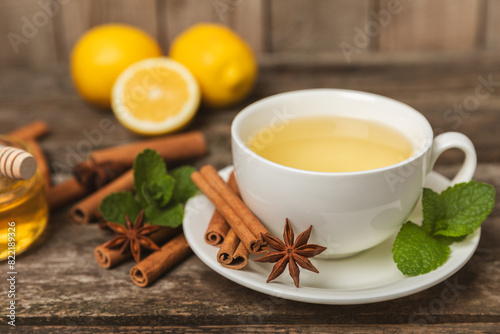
<point>331,144</point>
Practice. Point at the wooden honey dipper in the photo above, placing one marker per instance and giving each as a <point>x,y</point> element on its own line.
<point>16,163</point>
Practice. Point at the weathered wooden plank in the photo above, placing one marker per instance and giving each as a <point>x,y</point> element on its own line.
<point>354,329</point>
<point>432,25</point>
<point>72,23</point>
<point>181,14</point>
<point>492,25</point>
<point>245,17</point>
<point>318,25</point>
<point>27,32</point>
<point>79,16</point>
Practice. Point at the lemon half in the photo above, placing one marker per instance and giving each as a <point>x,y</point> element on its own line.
<point>155,96</point>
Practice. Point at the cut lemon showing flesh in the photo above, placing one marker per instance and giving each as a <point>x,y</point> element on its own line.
<point>155,96</point>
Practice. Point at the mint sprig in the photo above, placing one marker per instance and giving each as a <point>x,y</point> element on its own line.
<point>447,217</point>
<point>159,193</point>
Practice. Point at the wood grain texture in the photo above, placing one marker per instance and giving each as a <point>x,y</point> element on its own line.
<point>181,14</point>
<point>492,25</point>
<point>27,32</point>
<point>317,25</point>
<point>432,25</point>
<point>79,16</point>
<point>248,19</point>
<point>245,17</point>
<point>470,328</point>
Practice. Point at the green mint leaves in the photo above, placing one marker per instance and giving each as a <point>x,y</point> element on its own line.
<point>447,217</point>
<point>159,193</point>
<point>416,252</point>
<point>150,174</point>
<point>184,188</point>
<point>115,206</point>
<point>466,206</point>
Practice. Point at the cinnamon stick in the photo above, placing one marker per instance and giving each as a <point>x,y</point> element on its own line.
<point>41,162</point>
<point>231,182</point>
<point>148,270</point>
<point>218,227</point>
<point>217,230</point>
<point>174,147</point>
<point>64,193</point>
<point>109,257</point>
<point>232,253</point>
<point>248,218</point>
<point>251,242</point>
<point>87,209</point>
<point>32,130</point>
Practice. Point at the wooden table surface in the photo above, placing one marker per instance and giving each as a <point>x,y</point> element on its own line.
<point>61,289</point>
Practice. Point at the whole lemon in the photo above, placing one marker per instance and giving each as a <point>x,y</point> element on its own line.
<point>222,63</point>
<point>102,53</point>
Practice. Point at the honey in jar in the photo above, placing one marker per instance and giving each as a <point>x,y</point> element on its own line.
<point>23,207</point>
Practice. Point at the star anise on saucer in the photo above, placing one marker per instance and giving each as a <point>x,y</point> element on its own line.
<point>133,237</point>
<point>291,253</point>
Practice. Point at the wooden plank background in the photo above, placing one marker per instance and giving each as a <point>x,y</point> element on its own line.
<point>38,32</point>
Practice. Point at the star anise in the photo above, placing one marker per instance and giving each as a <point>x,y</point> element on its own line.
<point>94,176</point>
<point>291,253</point>
<point>133,237</point>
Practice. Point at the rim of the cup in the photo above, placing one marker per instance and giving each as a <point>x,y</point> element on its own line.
<point>248,109</point>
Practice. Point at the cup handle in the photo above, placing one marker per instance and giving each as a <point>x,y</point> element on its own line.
<point>448,140</point>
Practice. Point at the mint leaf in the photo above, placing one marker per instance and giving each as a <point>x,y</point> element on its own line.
<point>466,206</point>
<point>158,192</point>
<point>116,206</point>
<point>148,167</point>
<point>171,216</point>
<point>449,240</point>
<point>184,188</point>
<point>433,209</point>
<point>416,252</point>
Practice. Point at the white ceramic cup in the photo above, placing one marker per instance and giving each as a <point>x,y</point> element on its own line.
<point>353,211</point>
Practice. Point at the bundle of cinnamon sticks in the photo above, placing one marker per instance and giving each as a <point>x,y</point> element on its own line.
<point>175,248</point>
<point>233,227</point>
<point>107,171</point>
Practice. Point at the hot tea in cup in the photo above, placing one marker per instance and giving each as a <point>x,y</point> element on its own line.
<point>332,144</point>
<point>352,164</point>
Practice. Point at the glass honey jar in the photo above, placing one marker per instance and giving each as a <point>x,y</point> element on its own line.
<point>23,208</point>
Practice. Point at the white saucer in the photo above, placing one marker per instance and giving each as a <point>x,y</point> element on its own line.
<point>371,276</point>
